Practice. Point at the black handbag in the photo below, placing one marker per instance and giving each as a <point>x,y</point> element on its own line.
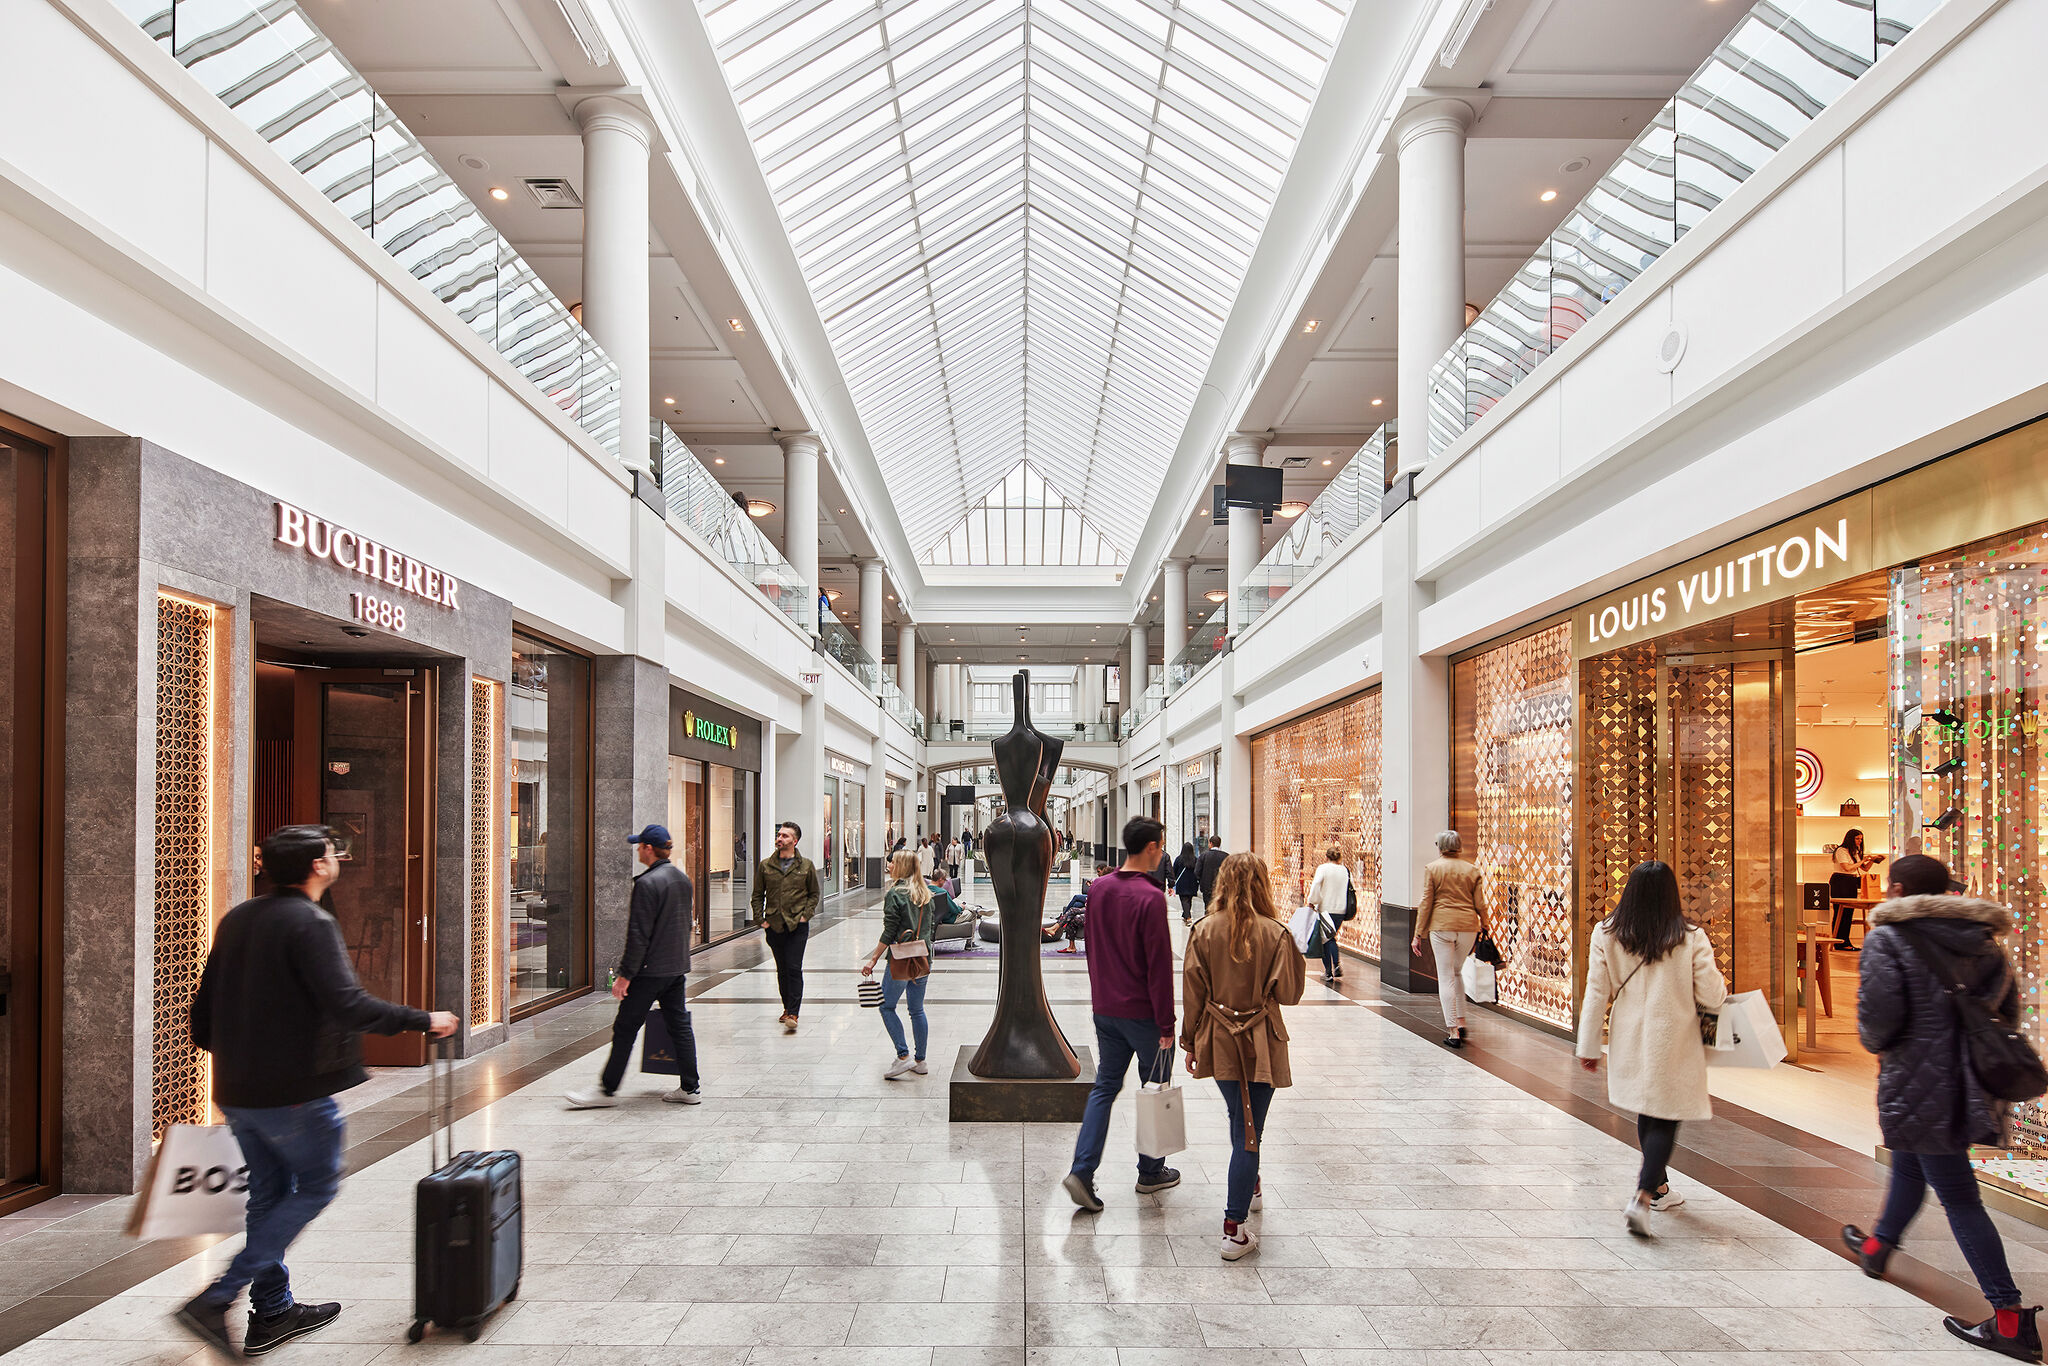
<point>2004,1063</point>
<point>1486,951</point>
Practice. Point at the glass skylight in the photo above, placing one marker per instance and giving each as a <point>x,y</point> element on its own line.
<point>1021,521</point>
<point>1024,222</point>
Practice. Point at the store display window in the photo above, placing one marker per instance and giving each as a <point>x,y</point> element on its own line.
<point>1316,787</point>
<point>548,704</point>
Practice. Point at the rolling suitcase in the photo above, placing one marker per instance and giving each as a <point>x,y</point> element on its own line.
<point>466,1232</point>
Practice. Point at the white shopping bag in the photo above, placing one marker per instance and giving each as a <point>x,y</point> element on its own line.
<point>1301,927</point>
<point>1162,1123</point>
<point>1478,975</point>
<point>1748,1036</point>
<point>197,1183</point>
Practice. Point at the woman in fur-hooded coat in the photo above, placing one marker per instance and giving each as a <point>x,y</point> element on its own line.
<point>1927,1100</point>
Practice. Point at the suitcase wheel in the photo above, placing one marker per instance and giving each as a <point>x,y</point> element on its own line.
<point>513,1293</point>
<point>473,1332</point>
<point>417,1331</point>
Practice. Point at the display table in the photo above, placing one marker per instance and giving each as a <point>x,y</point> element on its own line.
<point>1859,904</point>
<point>1815,940</point>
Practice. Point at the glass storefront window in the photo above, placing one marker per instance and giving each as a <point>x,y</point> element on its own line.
<point>853,798</point>
<point>548,704</point>
<point>729,863</point>
<point>828,866</point>
<point>1316,787</point>
<point>1511,800</point>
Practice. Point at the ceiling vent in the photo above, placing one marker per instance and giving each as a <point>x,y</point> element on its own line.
<point>552,192</point>
<point>1294,462</point>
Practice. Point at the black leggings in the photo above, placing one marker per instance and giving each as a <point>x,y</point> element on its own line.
<point>788,948</point>
<point>1187,904</point>
<point>1657,1138</point>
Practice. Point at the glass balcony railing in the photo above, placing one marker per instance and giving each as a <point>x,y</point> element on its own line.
<point>1072,730</point>
<point>702,504</point>
<point>1348,504</point>
<point>901,707</point>
<point>1144,707</point>
<point>1205,642</point>
<point>271,64</point>
<point>843,644</point>
<point>1786,61</point>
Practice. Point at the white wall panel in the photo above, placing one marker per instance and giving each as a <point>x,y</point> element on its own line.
<point>1949,142</point>
<point>1519,461</point>
<point>287,277</point>
<point>600,511</point>
<point>1448,510</point>
<point>1613,388</point>
<point>423,380</point>
<point>73,118</point>
<point>527,456</point>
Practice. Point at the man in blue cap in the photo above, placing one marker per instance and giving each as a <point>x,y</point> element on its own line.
<point>654,969</point>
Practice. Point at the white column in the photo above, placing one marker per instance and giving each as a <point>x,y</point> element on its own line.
<point>906,661</point>
<point>1242,448</point>
<point>874,799</point>
<point>871,626</point>
<point>616,139</point>
<point>1175,599</point>
<point>1431,314</point>
<point>1233,768</point>
<point>800,453</point>
<point>1141,659</point>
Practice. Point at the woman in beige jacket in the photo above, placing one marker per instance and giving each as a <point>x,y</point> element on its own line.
<point>1656,973</point>
<point>1448,921</point>
<point>1241,966</point>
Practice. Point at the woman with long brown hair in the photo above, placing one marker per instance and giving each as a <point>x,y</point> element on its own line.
<point>907,916</point>
<point>1241,966</point>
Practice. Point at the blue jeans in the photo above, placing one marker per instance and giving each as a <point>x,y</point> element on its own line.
<point>894,991</point>
<point>1244,1166</point>
<point>1117,1042</point>
<point>1955,1182</point>
<point>294,1157</point>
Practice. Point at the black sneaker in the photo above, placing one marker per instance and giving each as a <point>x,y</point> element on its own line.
<point>1168,1178</point>
<point>2009,1332</point>
<point>1082,1189</point>
<point>208,1323</point>
<point>1871,1251</point>
<point>295,1322</point>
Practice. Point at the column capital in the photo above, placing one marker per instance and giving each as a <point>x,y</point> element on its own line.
<point>1246,448</point>
<point>610,114</point>
<point>801,443</point>
<point>1432,116</point>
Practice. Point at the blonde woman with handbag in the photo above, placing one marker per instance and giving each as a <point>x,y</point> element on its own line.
<point>908,923</point>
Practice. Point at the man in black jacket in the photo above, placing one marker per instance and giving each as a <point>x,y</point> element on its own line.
<point>280,1010</point>
<point>1212,861</point>
<point>654,969</point>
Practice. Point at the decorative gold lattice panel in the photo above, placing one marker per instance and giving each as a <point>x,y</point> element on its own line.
<point>1316,786</point>
<point>1513,734</point>
<point>186,665</point>
<point>483,851</point>
<point>1617,774</point>
<point>1703,727</point>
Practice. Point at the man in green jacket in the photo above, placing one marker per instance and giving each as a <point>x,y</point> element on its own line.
<point>786,896</point>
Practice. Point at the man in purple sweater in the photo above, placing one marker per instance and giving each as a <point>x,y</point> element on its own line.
<point>1130,981</point>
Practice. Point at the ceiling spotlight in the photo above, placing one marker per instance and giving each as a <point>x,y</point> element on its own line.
<point>1291,509</point>
<point>1547,196</point>
<point>736,324</point>
<point>1377,402</point>
<point>499,193</point>
<point>671,402</point>
<point>1311,325</point>
<point>759,507</point>
<point>1216,595</point>
<point>1326,462</point>
<point>720,460</point>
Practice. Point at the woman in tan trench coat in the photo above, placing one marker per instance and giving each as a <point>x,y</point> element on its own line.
<point>1657,973</point>
<point>1241,966</point>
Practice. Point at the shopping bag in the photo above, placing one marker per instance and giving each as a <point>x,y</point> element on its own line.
<point>1478,977</point>
<point>1318,937</point>
<point>1748,1036</point>
<point>1300,925</point>
<point>197,1183</point>
<point>870,992</point>
<point>657,1049</point>
<point>1162,1123</point>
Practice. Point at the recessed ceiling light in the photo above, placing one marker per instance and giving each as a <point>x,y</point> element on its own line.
<point>759,507</point>
<point>720,460</point>
<point>842,512</point>
<point>1311,325</point>
<point>669,401</point>
<point>499,192</point>
<point>1377,402</point>
<point>736,324</point>
<point>1326,462</point>
<point>1547,196</point>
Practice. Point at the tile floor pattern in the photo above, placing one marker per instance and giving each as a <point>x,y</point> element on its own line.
<point>1419,1212</point>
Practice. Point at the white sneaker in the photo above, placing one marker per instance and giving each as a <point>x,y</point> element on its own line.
<point>1670,1199</point>
<point>681,1097</point>
<point>899,1067</point>
<point>919,1068</point>
<point>1243,1245</point>
<point>1636,1215</point>
<point>1258,1200</point>
<point>592,1099</point>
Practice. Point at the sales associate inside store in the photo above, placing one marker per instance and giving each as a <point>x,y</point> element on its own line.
<point>1846,882</point>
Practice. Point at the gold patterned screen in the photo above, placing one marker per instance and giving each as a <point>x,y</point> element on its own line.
<point>1512,800</point>
<point>1617,774</point>
<point>1315,786</point>
<point>186,665</point>
<point>483,851</point>
<point>1703,726</point>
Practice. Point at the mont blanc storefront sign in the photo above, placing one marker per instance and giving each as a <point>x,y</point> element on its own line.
<point>321,539</point>
<point>1810,551</point>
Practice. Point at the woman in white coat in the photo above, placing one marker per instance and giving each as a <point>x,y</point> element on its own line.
<point>1657,973</point>
<point>1329,893</point>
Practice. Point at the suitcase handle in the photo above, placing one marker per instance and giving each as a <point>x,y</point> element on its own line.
<point>441,1118</point>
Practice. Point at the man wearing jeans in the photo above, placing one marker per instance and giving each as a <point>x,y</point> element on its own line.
<point>280,1010</point>
<point>786,896</point>
<point>654,970</point>
<point>1130,983</point>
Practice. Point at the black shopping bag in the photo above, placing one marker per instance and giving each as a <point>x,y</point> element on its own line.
<point>657,1050</point>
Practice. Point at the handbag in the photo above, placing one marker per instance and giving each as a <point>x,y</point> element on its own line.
<point>2004,1063</point>
<point>911,958</point>
<point>1486,951</point>
<point>1162,1120</point>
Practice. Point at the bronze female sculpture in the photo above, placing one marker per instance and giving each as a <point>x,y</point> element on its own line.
<point>1023,1041</point>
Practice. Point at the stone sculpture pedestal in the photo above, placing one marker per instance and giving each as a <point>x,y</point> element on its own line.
<point>1031,1100</point>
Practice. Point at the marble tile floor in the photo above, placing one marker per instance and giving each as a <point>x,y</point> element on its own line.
<point>1420,1208</point>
